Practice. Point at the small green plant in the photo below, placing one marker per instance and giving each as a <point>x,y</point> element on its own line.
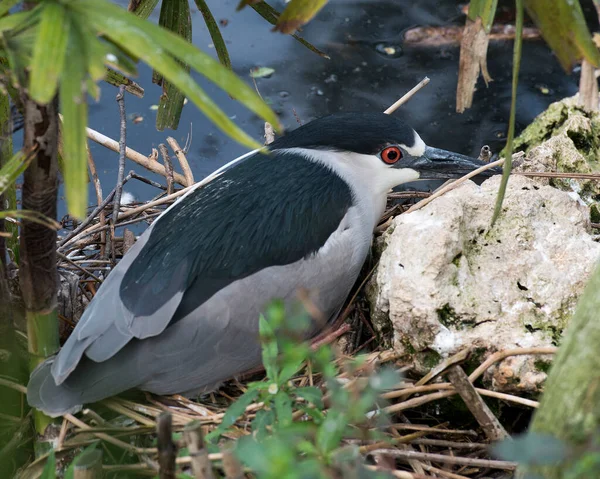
<point>533,450</point>
<point>300,432</point>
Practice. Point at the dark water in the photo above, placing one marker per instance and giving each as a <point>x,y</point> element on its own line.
<point>358,77</point>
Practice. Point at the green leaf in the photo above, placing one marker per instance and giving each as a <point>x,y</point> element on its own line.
<point>144,8</point>
<point>73,106</point>
<point>150,42</point>
<point>298,13</point>
<point>83,456</point>
<point>385,379</point>
<point>331,432</point>
<point>269,348</point>
<point>19,19</point>
<point>13,168</point>
<point>263,418</point>
<point>174,16</point>
<point>311,394</point>
<point>234,412</point>
<point>283,408</point>
<point>116,79</point>
<point>49,471</point>
<point>532,449</point>
<point>215,33</point>
<point>563,26</point>
<point>271,15</point>
<point>253,454</point>
<point>33,216</point>
<point>49,52</point>
<point>6,5</point>
<point>484,9</point>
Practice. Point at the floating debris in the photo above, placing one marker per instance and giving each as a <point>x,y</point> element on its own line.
<point>388,50</point>
<point>262,72</point>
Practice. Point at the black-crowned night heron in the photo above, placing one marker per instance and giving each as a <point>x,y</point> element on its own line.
<point>179,313</point>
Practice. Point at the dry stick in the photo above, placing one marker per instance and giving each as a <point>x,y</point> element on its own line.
<point>90,218</point>
<point>192,434</point>
<point>121,172</point>
<point>168,167</point>
<point>457,358</point>
<point>407,96</point>
<point>77,244</point>
<point>132,155</point>
<point>397,474</point>
<point>124,410</point>
<point>231,466</point>
<point>80,268</point>
<point>412,403</point>
<point>99,196</point>
<point>460,461</point>
<point>183,162</point>
<point>88,465</point>
<point>435,430</point>
<point>558,174</point>
<point>441,472</point>
<point>453,185</point>
<point>480,410</point>
<point>500,355</point>
<point>451,444</point>
<point>447,386</point>
<point>108,438</point>
<point>167,451</point>
<point>161,201</point>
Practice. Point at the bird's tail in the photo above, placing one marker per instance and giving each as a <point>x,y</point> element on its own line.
<point>89,383</point>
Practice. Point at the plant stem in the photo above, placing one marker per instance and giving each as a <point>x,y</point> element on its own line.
<point>37,273</point>
<point>513,110</point>
<point>8,200</point>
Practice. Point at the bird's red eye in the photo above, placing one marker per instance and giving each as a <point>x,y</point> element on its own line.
<point>391,154</point>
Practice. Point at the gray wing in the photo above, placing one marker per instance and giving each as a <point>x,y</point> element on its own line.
<point>210,239</point>
<point>214,342</point>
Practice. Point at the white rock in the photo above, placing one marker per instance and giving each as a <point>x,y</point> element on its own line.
<point>447,281</point>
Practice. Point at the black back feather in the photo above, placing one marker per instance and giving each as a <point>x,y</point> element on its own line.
<point>267,210</point>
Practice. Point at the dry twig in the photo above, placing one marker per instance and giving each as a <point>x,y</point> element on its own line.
<point>482,413</point>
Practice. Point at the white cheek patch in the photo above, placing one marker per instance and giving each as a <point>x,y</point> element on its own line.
<point>418,149</point>
<point>404,175</point>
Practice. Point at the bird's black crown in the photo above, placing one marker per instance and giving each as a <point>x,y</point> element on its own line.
<point>359,132</point>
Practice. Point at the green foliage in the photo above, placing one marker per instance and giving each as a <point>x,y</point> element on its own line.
<point>97,35</point>
<point>49,471</point>
<point>174,16</point>
<point>563,26</point>
<point>298,13</point>
<point>280,446</point>
<point>534,449</point>
<point>484,9</point>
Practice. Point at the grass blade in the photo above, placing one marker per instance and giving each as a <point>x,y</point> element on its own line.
<point>13,168</point>
<point>298,13</point>
<point>513,111</point>
<point>271,15</point>
<point>49,52</point>
<point>6,5</point>
<point>563,26</point>
<point>174,16</point>
<point>33,216</point>
<point>143,8</point>
<point>215,33</point>
<point>73,106</point>
<point>116,79</point>
<point>484,9</point>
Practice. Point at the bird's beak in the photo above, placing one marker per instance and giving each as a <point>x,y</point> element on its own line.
<point>438,164</point>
